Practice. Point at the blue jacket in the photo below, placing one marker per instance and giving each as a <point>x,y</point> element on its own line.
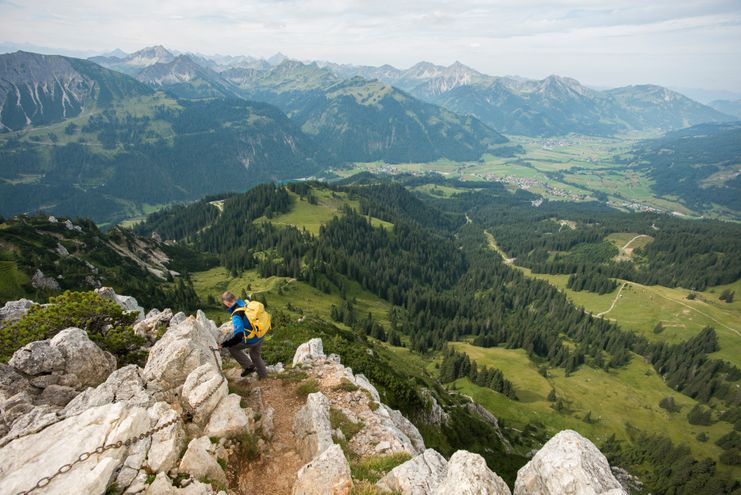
<point>242,325</point>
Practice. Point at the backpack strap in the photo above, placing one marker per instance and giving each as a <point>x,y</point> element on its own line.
<point>253,330</point>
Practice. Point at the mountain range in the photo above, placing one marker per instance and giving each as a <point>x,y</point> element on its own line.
<point>81,139</point>
<point>512,105</point>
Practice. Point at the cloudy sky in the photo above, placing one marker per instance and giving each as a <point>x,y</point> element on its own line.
<point>677,43</point>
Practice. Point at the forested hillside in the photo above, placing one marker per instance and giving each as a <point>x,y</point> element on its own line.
<point>431,262</point>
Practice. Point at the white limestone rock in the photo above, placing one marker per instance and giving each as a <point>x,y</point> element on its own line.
<point>127,303</point>
<point>418,476</point>
<point>468,474</point>
<point>312,427</point>
<point>82,358</point>
<point>183,348</point>
<point>153,324</point>
<point>123,385</point>
<point>168,443</point>
<point>327,474</point>
<point>13,311</point>
<point>308,352</point>
<point>37,358</point>
<point>26,459</point>
<point>163,486</point>
<point>41,281</point>
<point>198,385</point>
<point>362,382</point>
<point>11,382</point>
<point>229,420</point>
<point>200,461</point>
<point>408,429</point>
<point>568,464</point>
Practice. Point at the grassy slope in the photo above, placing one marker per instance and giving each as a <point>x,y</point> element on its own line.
<point>311,217</point>
<point>628,395</point>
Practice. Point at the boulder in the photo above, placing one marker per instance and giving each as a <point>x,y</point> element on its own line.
<point>154,323</point>
<point>568,464</point>
<point>327,474</point>
<point>407,428</point>
<point>163,486</point>
<point>29,458</point>
<point>127,303</point>
<point>168,443</point>
<point>468,474</point>
<point>37,358</point>
<point>229,420</point>
<point>123,385</point>
<point>312,427</point>
<point>200,461</point>
<point>13,311</point>
<point>36,419</point>
<point>203,390</point>
<point>41,281</point>
<point>82,358</point>
<point>178,318</point>
<point>183,348</point>
<point>362,382</point>
<point>418,476</point>
<point>11,382</point>
<point>308,352</point>
<point>57,395</point>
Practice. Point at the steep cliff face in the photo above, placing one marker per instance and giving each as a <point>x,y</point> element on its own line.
<point>184,424</point>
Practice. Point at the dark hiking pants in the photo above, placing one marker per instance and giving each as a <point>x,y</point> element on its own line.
<point>254,359</point>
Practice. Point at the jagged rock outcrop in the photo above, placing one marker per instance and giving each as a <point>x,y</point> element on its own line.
<point>568,464</point>
<point>41,429</point>
<point>327,474</point>
<point>41,281</point>
<point>153,324</point>
<point>418,476</point>
<point>468,474</point>
<point>308,352</point>
<point>29,458</point>
<point>13,311</point>
<point>312,427</point>
<point>200,461</point>
<point>127,303</point>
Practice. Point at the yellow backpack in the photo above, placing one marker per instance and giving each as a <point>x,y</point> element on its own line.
<point>258,317</point>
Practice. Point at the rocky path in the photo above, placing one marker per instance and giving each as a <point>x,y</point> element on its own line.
<point>274,471</point>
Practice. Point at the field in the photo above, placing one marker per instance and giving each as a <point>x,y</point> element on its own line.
<point>614,399</point>
<point>304,215</point>
<point>572,168</point>
<point>641,307</point>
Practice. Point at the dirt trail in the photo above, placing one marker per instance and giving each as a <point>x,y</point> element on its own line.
<point>630,241</point>
<point>614,301</point>
<point>274,472</point>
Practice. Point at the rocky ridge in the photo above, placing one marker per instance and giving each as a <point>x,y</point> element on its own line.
<point>64,396</point>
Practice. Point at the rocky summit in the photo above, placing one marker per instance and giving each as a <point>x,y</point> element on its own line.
<point>71,421</point>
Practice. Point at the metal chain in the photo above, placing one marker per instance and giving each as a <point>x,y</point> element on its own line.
<point>184,416</point>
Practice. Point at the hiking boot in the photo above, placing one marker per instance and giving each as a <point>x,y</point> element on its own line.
<point>247,371</point>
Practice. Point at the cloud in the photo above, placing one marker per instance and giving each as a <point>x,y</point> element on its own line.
<point>600,41</point>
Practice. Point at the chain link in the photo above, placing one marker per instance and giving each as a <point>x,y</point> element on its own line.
<point>184,416</point>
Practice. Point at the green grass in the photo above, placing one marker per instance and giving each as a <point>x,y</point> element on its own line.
<point>11,281</point>
<point>641,307</point>
<point>282,291</point>
<point>374,468</point>
<point>304,215</point>
<point>629,395</point>
<point>308,387</point>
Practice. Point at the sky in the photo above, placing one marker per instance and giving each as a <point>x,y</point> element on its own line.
<point>676,43</point>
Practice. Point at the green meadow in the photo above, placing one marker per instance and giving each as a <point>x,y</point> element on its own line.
<point>614,399</point>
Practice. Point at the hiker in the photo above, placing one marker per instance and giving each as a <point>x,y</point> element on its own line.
<point>244,338</point>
